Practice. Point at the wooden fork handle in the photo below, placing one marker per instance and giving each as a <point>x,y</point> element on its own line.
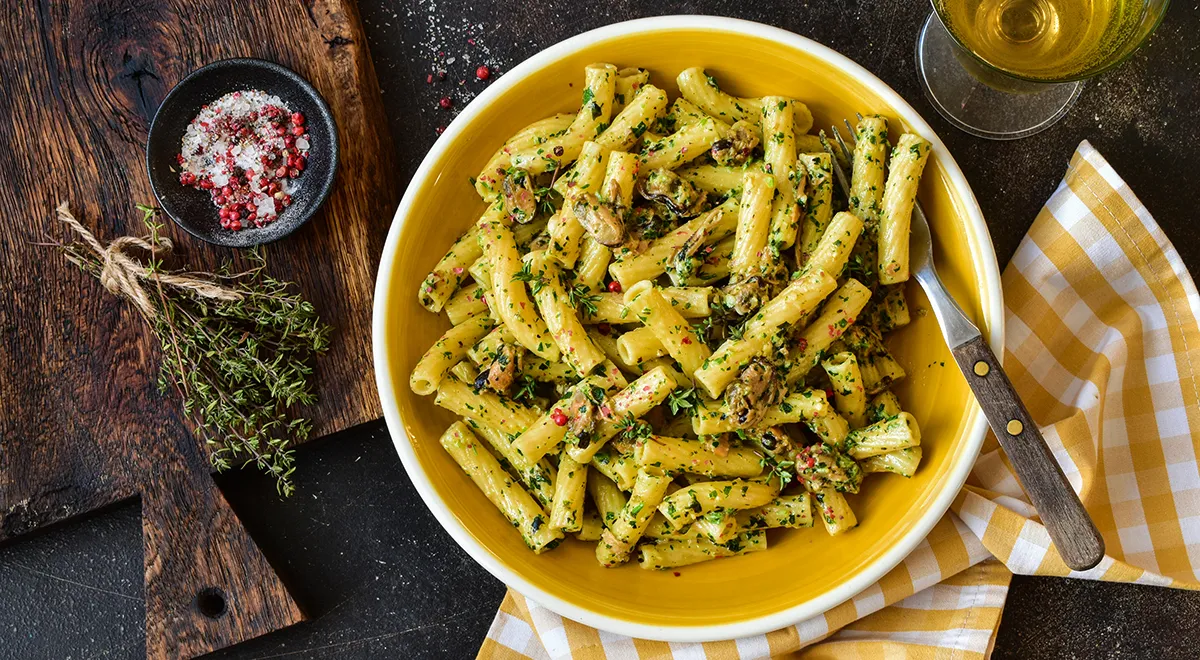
<point>1070,527</point>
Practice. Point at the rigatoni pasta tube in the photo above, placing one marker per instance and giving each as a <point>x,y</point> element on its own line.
<point>903,462</point>
<point>481,272</point>
<point>652,262</point>
<point>791,511</point>
<point>618,467</point>
<point>617,542</point>
<point>484,407</point>
<point>566,233</point>
<point>879,371</point>
<point>465,303</point>
<point>883,406</point>
<point>630,81</point>
<point>833,250</point>
<point>488,183</point>
<point>607,497</point>
<point>608,344</point>
<point>561,318</point>
<point>627,127</point>
<point>683,112</point>
<point>839,313</point>
<point>722,180</point>
<point>719,526</point>
<point>544,435</point>
<point>512,500</point>
<point>835,511</point>
<point>685,504</point>
<point>892,310</point>
<point>808,406</point>
<point>674,553</point>
<point>667,455</point>
<point>899,432</point>
<point>640,345</point>
<point>600,82</point>
<point>634,401</point>
<point>446,351</point>
<point>715,266</point>
<point>702,90</point>
<point>779,158</point>
<point>592,266</point>
<point>753,226</point>
<point>451,269</point>
<point>866,179</point>
<point>659,528</point>
<point>906,165</point>
<point>569,489</point>
<point>681,147</point>
<point>692,302</point>
<point>669,365</point>
<point>819,207</point>
<point>538,476</point>
<point>485,349</point>
<point>794,302</point>
<point>676,334</point>
<point>466,371</point>
<point>849,395</point>
<point>592,527</point>
<point>510,299</point>
<point>620,177</point>
<point>545,371</point>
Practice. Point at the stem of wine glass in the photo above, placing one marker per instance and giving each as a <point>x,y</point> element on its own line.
<point>981,100</point>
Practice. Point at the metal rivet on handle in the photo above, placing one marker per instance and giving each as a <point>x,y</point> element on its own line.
<point>982,368</point>
<point>1015,427</point>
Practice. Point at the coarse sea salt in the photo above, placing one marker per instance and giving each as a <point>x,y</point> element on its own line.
<point>245,148</point>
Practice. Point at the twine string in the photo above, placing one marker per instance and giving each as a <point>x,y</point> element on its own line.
<point>122,274</point>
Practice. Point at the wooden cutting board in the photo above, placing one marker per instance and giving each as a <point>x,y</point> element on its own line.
<point>82,424</point>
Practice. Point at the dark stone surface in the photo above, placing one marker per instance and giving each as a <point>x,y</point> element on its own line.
<point>357,545</point>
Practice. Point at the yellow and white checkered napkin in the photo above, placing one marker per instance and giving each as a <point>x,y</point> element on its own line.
<point>1103,344</point>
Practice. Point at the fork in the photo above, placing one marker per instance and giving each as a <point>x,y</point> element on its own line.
<point>1070,527</point>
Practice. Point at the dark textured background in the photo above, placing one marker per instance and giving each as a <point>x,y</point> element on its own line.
<point>356,543</point>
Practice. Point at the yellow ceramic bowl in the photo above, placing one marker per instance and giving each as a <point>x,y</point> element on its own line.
<point>805,572</point>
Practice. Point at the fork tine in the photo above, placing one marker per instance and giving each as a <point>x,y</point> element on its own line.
<point>837,166</point>
<point>859,115</point>
<point>846,150</point>
<point>850,128</point>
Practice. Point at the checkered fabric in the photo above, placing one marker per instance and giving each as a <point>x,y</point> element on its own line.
<point>1103,345</point>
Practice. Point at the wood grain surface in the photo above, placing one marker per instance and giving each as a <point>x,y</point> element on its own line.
<point>82,424</point>
<point>1072,530</point>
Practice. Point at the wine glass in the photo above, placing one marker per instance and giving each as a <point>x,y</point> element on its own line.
<point>1007,69</point>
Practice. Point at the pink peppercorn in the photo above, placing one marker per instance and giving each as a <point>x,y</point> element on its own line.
<point>482,72</point>
<point>445,103</point>
<point>558,417</point>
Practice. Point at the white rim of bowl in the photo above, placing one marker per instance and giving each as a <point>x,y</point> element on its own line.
<point>981,248</point>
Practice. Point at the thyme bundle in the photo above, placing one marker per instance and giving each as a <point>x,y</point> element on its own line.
<point>238,347</point>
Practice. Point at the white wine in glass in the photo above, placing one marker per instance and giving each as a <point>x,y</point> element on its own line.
<point>1005,69</point>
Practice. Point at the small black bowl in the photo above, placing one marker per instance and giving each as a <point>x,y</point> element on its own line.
<point>193,209</point>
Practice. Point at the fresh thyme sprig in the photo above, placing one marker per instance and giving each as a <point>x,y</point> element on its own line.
<point>581,297</point>
<point>240,362</point>
<point>633,429</point>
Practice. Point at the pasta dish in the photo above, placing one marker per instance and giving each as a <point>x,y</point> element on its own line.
<point>667,327</point>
